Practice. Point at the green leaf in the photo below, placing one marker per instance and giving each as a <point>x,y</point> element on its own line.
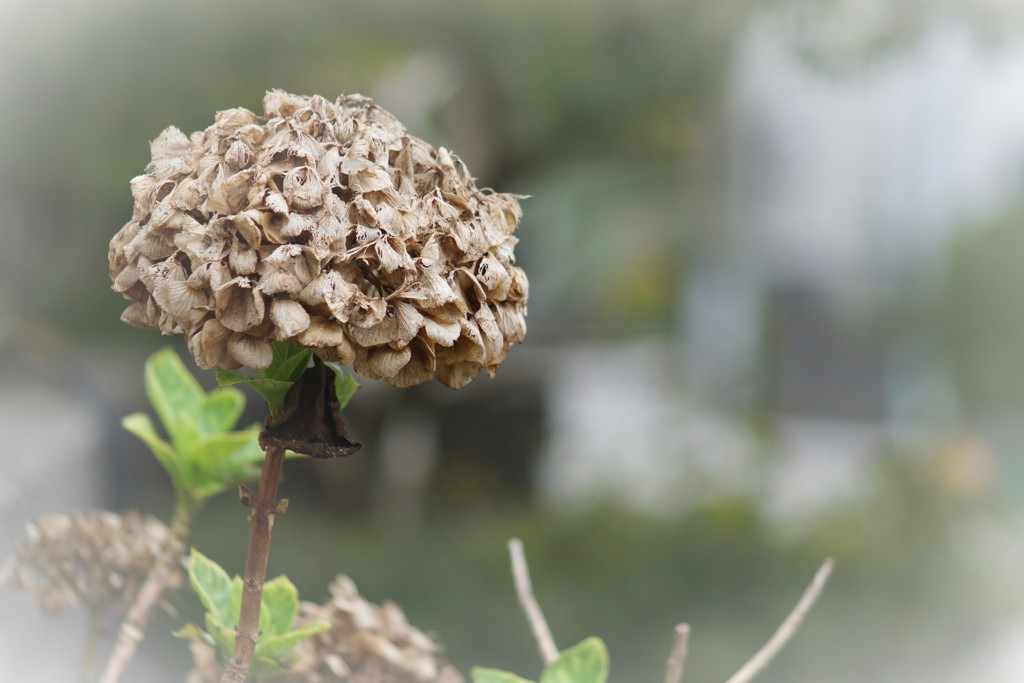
<point>141,426</point>
<point>279,607</point>
<point>481,675</point>
<point>224,457</point>
<point>345,386</point>
<point>221,409</point>
<point>289,362</point>
<point>223,638</point>
<point>173,391</point>
<point>272,390</point>
<point>584,663</point>
<point>277,645</point>
<point>272,384</point>
<point>264,668</point>
<point>212,585</point>
<point>225,378</point>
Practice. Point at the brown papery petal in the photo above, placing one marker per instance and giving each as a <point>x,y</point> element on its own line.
<point>303,189</point>
<point>494,277</point>
<point>289,318</point>
<point>331,290</point>
<point>322,333</point>
<point>239,155</point>
<point>420,368</point>
<point>386,362</point>
<point>401,323</point>
<point>366,312</point>
<point>239,306</point>
<point>210,344</point>
<point>230,191</point>
<point>442,332</point>
<point>170,144</point>
<point>252,352</point>
<point>458,375</point>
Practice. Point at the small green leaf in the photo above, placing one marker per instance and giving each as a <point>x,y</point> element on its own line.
<point>223,638</point>
<point>173,391</point>
<point>272,390</point>
<point>278,645</point>
<point>225,378</point>
<point>481,675</point>
<point>289,362</point>
<point>279,607</point>
<point>223,458</point>
<point>221,410</point>
<point>345,386</point>
<point>264,668</point>
<point>141,426</point>
<point>212,585</point>
<point>273,383</point>
<point>584,663</point>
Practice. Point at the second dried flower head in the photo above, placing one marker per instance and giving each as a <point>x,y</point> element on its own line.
<point>327,225</point>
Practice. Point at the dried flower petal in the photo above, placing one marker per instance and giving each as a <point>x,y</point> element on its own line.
<point>289,318</point>
<point>209,345</point>
<point>251,351</point>
<point>239,305</point>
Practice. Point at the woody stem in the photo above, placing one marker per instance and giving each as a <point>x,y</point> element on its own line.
<point>262,507</point>
<point>159,579</point>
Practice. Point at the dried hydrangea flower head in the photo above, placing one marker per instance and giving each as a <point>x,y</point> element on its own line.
<point>96,558</point>
<point>327,225</point>
<point>366,643</point>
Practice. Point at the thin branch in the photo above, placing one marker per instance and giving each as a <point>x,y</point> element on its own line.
<point>677,660</point>
<point>768,652</point>
<point>159,580</point>
<point>91,641</point>
<point>261,520</point>
<point>524,589</point>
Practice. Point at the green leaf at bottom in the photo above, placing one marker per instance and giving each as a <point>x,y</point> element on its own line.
<point>584,663</point>
<point>482,675</point>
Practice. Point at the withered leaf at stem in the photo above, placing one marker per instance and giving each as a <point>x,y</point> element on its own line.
<point>310,422</point>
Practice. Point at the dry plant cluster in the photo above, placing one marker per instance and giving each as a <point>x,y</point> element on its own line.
<point>94,558</point>
<point>327,225</point>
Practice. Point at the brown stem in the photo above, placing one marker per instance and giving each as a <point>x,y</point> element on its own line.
<point>261,520</point>
<point>159,579</point>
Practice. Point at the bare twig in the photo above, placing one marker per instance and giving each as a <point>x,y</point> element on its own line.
<point>676,660</point>
<point>91,640</point>
<point>159,579</point>
<point>524,589</point>
<point>261,519</point>
<point>767,653</point>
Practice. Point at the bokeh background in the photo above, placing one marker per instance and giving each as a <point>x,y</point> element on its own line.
<point>777,314</point>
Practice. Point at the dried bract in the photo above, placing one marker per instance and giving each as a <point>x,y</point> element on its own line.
<point>95,558</point>
<point>366,643</point>
<point>327,225</point>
